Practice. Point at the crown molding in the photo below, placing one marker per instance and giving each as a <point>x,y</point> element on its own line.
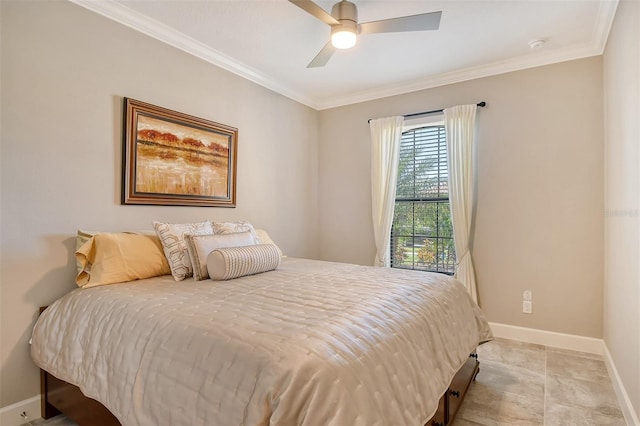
<point>604,21</point>
<point>155,29</point>
<point>472,73</point>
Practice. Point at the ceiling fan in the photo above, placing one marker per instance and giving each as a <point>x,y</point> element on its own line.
<point>345,28</point>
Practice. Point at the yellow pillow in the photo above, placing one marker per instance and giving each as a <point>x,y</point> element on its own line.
<point>109,258</point>
<point>81,238</point>
<point>264,238</point>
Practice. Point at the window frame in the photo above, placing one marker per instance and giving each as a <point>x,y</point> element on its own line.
<point>413,124</point>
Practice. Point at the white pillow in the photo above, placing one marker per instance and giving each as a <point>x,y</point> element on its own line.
<point>199,247</point>
<point>234,262</point>
<point>175,248</point>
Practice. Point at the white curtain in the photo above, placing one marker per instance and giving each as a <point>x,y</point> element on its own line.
<point>459,123</point>
<point>385,152</point>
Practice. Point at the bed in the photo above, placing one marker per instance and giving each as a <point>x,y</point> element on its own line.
<point>308,343</point>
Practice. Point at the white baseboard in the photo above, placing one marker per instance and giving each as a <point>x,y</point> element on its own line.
<point>10,415</point>
<point>549,338</point>
<point>574,343</point>
<point>630,414</point>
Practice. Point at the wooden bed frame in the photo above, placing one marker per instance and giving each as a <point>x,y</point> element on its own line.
<point>59,397</point>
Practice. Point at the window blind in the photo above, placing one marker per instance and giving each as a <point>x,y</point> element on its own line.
<point>422,235</point>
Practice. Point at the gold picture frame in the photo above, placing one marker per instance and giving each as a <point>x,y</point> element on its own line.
<point>175,159</point>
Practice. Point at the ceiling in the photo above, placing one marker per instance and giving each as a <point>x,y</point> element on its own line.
<point>270,42</point>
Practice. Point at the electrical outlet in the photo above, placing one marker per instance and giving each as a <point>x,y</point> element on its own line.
<point>527,295</point>
<point>527,307</point>
<point>21,412</point>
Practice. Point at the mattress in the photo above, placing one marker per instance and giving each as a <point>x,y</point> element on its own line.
<point>309,343</point>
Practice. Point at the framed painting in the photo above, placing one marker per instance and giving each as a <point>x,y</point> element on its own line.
<point>171,158</point>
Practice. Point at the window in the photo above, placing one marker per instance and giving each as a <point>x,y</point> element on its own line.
<point>422,234</point>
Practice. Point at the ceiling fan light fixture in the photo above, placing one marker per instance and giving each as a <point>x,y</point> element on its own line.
<point>345,28</point>
<point>343,37</point>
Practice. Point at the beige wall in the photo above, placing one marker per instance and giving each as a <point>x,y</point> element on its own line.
<point>539,217</point>
<point>622,197</point>
<point>64,72</point>
<point>539,220</point>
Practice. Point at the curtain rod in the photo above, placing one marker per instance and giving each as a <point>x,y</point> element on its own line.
<point>435,111</point>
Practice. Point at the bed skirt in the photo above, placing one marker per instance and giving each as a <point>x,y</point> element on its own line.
<point>59,397</point>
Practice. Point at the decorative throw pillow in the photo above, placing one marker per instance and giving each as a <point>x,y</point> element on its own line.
<point>234,262</point>
<point>175,248</point>
<point>199,247</point>
<point>232,227</point>
<point>108,258</point>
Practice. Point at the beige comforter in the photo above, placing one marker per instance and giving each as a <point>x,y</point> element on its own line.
<point>312,343</point>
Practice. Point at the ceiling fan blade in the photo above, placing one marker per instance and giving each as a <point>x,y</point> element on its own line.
<point>422,22</point>
<point>315,10</point>
<point>323,56</point>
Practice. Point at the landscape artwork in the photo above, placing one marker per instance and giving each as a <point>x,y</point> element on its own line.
<point>175,159</point>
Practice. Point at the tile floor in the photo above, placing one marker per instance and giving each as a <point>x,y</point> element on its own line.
<point>525,384</point>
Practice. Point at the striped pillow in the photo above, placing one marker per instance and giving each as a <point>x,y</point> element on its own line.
<point>199,247</point>
<point>233,262</point>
